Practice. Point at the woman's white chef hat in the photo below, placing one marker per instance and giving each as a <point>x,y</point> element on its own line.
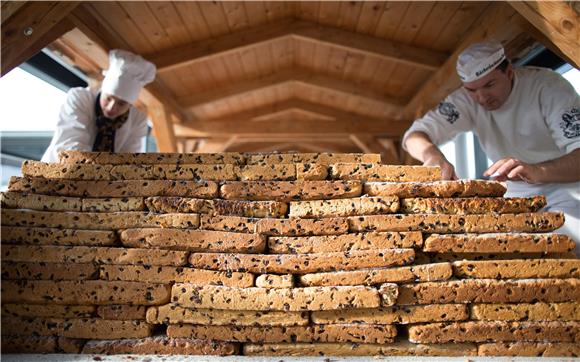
<point>128,73</point>
<point>479,59</point>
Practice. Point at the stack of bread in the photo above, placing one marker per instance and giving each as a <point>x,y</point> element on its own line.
<point>279,254</point>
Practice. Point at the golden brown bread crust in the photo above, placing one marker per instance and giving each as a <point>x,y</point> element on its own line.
<point>302,263</point>
<point>344,242</point>
<point>445,224</point>
<point>290,190</point>
<point>472,205</point>
<point>126,188</point>
<point>490,291</point>
<point>344,207</point>
<point>162,345</point>
<point>388,173</point>
<point>500,331</point>
<point>402,348</point>
<point>499,243</point>
<point>264,299</point>
<point>342,333</point>
<point>107,158</point>
<point>530,349</point>
<point>460,188</point>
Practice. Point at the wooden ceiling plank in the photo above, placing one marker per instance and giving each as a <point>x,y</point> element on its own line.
<point>369,17</point>
<point>411,24</point>
<point>370,46</point>
<point>9,8</point>
<point>393,13</point>
<point>558,21</point>
<point>235,14</point>
<point>432,27</point>
<point>499,22</point>
<point>192,19</point>
<point>31,27</point>
<point>349,14</point>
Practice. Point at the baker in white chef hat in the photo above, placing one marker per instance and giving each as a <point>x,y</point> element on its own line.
<point>128,73</point>
<point>527,120</point>
<point>105,119</point>
<point>474,65</point>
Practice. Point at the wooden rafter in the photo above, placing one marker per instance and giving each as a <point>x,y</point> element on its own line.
<point>344,122</point>
<point>557,21</point>
<point>289,77</point>
<point>499,21</point>
<point>28,28</point>
<point>303,31</point>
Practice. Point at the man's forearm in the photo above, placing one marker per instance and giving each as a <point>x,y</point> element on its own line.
<point>419,146</point>
<point>561,169</point>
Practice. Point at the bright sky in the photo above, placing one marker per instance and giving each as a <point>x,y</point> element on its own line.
<point>28,102</point>
<point>31,104</point>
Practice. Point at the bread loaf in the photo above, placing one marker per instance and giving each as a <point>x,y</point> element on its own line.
<point>317,158</point>
<point>525,222</point>
<point>264,299</point>
<point>530,349</point>
<point>517,269</point>
<point>472,205</point>
<point>490,291</point>
<point>127,188</point>
<point>302,263</point>
<point>84,292</point>
<point>161,345</point>
<point>193,240</point>
<point>217,207</point>
<point>495,331</point>
<point>394,314</point>
<point>377,172</point>
<point>54,236</point>
<point>176,314</point>
<point>167,274</point>
<point>427,272</point>
<point>526,311</point>
<point>87,254</point>
<point>119,158</point>
<point>358,333</point>
<point>302,227</point>
<point>401,348</point>
<point>460,188</point>
<point>290,190</point>
<point>344,207</point>
<point>499,243</point>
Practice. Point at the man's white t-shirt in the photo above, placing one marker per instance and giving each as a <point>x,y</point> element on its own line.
<point>540,121</point>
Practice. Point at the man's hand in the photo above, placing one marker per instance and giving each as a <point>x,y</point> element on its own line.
<point>447,169</point>
<point>515,170</point>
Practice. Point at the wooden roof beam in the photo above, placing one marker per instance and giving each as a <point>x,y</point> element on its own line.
<point>28,28</point>
<point>499,21</point>
<point>558,22</point>
<point>297,29</point>
<point>291,76</point>
<point>343,123</point>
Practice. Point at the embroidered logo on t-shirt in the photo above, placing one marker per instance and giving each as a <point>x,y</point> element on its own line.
<point>571,123</point>
<point>448,111</point>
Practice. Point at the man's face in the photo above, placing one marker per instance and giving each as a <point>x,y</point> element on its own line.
<point>492,90</point>
<point>113,106</point>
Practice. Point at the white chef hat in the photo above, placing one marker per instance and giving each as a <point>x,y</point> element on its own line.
<point>128,73</point>
<point>479,59</point>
